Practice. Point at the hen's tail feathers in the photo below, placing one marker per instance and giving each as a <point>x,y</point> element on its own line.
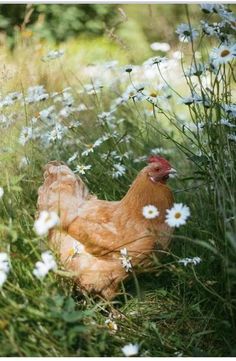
<point>61,192</point>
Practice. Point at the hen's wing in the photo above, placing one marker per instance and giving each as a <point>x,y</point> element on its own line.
<point>61,192</point>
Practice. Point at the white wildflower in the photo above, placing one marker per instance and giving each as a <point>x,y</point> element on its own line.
<point>232,137</point>
<point>160,46</point>
<point>1,192</point>
<point>112,326</point>
<point>47,114</point>
<point>207,8</point>
<point>119,170</point>
<point>230,109</point>
<point>77,248</point>
<point>223,54</point>
<point>150,212</point>
<point>80,168</point>
<point>125,259</point>
<point>53,54</point>
<point>86,152</point>
<point>186,261</point>
<point>130,349</point>
<point>73,157</point>
<point>46,221</point>
<point>36,93</point>
<point>227,123</point>
<point>4,267</point>
<point>25,135</point>
<point>57,132</point>
<point>186,33</point>
<point>177,215</point>
<point>3,278</point>
<point>47,264</point>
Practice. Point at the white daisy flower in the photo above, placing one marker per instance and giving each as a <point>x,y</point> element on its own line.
<point>36,93</point>
<point>46,221</point>
<point>160,46</point>
<point>47,114</point>
<point>223,54</point>
<point>47,264</point>
<point>80,168</point>
<point>177,215</point>
<point>77,248</point>
<point>150,212</point>
<point>25,135</point>
<point>232,137</point>
<point>53,54</point>
<point>207,8</point>
<point>186,33</point>
<point>73,157</point>
<point>227,123</point>
<point>90,149</point>
<point>186,261</point>
<point>125,260</point>
<point>3,278</point>
<point>112,326</point>
<point>4,262</point>
<point>4,267</point>
<point>130,349</point>
<point>119,170</point>
<point>1,192</point>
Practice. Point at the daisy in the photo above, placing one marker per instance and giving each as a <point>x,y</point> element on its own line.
<point>125,260</point>
<point>232,137</point>
<point>186,261</point>
<point>53,54</point>
<point>119,170</point>
<point>226,122</point>
<point>46,221</point>
<point>130,349</point>
<point>177,215</point>
<point>150,212</point>
<point>3,278</point>
<point>186,33</point>
<point>160,46</point>
<point>1,192</point>
<point>47,264</point>
<point>223,54</point>
<point>25,135</point>
<point>4,267</point>
<point>112,326</point>
<point>207,8</point>
<point>82,168</point>
<point>77,248</point>
<point>73,157</point>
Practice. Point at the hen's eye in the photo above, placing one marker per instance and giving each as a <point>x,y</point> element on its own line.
<point>157,168</point>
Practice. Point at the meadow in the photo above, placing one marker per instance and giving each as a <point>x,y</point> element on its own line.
<point>94,104</point>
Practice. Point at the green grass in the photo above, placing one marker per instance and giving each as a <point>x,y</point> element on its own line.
<point>167,309</point>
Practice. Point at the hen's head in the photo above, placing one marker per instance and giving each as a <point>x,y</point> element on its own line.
<point>159,169</point>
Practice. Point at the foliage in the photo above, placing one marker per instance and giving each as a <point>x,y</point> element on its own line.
<point>181,107</point>
<point>54,22</point>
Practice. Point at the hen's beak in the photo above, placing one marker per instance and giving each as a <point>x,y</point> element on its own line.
<point>172,173</point>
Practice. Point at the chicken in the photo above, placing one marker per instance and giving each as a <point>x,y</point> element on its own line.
<point>99,241</point>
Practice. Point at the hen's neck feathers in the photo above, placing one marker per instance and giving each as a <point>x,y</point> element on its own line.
<point>143,192</point>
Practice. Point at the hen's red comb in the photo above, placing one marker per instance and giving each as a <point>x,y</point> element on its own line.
<point>157,158</point>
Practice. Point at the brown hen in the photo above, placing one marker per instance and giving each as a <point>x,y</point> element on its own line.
<point>92,232</point>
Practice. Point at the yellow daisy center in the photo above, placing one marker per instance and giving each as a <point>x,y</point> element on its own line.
<point>224,53</point>
<point>177,215</point>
